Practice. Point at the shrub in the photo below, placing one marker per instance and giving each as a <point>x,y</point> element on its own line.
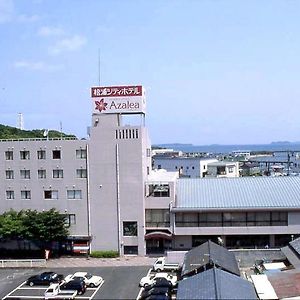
<point>104,254</point>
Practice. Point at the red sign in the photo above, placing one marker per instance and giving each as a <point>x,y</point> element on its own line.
<point>117,91</point>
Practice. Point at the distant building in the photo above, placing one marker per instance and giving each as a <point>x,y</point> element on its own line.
<point>223,169</point>
<point>191,167</point>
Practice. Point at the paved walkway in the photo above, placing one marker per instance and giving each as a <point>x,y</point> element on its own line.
<point>68,262</point>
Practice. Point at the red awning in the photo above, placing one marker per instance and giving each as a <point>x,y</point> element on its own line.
<point>158,235</point>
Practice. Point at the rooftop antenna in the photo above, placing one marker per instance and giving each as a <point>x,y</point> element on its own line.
<point>20,123</point>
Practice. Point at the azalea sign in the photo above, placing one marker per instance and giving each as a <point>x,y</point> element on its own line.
<point>118,99</point>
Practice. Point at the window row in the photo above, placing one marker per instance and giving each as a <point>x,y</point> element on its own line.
<point>41,174</point>
<point>122,134</point>
<point>41,154</point>
<point>48,195</point>
<point>157,218</point>
<point>225,219</point>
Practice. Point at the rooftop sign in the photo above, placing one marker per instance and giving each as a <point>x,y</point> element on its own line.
<point>118,99</point>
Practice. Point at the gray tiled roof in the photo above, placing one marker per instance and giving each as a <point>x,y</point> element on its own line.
<point>295,244</point>
<point>215,284</point>
<point>241,192</point>
<point>209,254</point>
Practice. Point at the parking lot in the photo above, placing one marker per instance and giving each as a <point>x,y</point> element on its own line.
<point>118,282</point>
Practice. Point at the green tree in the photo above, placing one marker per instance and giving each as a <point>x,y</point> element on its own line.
<point>11,225</point>
<point>43,227</point>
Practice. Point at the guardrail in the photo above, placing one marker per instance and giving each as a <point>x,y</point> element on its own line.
<point>22,263</point>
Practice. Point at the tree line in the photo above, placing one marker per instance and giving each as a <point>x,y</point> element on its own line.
<point>42,227</point>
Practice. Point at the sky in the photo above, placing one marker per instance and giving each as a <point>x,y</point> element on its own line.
<point>215,72</point>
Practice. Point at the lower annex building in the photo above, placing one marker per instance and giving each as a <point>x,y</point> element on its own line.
<point>113,200</point>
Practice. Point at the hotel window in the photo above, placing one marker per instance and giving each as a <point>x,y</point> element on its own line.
<point>25,195</point>
<point>24,154</point>
<point>56,154</point>
<point>41,154</point>
<point>41,174</point>
<point>81,153</point>
<point>129,228</point>
<point>50,194</point>
<point>25,174</point>
<point>9,155</point>
<point>10,195</point>
<point>157,218</point>
<point>58,173</point>
<point>74,194</point>
<point>279,218</point>
<point>70,219</point>
<point>159,190</point>
<point>81,173</point>
<point>9,174</point>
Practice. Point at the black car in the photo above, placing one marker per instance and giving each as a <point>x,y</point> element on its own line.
<point>155,291</point>
<point>74,285</point>
<point>159,282</point>
<point>158,297</point>
<point>45,278</point>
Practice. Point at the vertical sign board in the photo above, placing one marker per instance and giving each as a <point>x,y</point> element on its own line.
<point>119,99</point>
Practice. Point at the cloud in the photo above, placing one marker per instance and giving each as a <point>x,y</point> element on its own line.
<point>50,31</point>
<point>68,44</point>
<point>28,19</point>
<point>36,66</point>
<point>6,10</point>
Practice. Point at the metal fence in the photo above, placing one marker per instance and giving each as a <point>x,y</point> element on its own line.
<point>22,263</point>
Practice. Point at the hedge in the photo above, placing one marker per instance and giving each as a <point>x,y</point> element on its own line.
<point>104,254</point>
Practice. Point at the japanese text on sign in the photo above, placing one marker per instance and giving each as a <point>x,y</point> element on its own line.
<point>117,91</point>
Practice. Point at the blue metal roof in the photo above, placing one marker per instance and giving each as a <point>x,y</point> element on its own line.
<point>238,193</point>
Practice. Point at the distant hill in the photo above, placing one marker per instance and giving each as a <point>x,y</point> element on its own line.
<point>8,132</point>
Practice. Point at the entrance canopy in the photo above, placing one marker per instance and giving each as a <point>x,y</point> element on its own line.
<point>158,235</point>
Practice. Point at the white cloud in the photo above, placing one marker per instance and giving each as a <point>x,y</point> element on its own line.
<point>68,44</point>
<point>36,66</point>
<point>50,31</point>
<point>6,10</point>
<point>28,18</point>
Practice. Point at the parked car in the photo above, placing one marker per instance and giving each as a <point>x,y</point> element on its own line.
<point>89,279</point>
<point>159,282</point>
<point>54,292</point>
<point>155,291</point>
<point>45,278</point>
<point>74,285</point>
<point>147,280</point>
<point>158,297</point>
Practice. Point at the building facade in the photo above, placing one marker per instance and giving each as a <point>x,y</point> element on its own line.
<point>114,200</point>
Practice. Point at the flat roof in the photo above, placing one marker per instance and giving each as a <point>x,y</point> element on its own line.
<point>238,193</point>
<point>162,175</point>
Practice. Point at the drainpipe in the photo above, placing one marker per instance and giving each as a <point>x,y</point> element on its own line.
<point>88,198</point>
<point>118,200</point>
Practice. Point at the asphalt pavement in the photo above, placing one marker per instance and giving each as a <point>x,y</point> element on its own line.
<point>70,262</point>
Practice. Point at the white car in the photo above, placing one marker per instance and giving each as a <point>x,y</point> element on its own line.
<point>150,279</point>
<point>89,279</point>
<point>54,292</point>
